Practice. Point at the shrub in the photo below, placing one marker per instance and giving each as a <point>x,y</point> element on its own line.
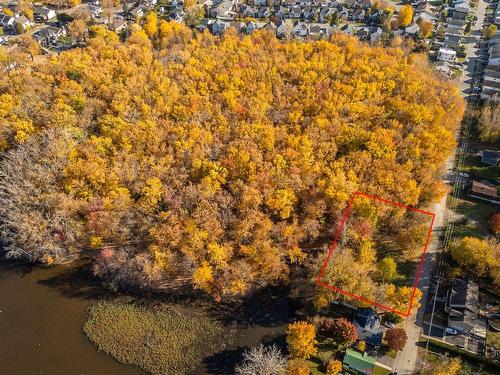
<point>393,318</point>
<point>361,346</point>
<point>334,367</point>
<point>495,223</point>
<point>301,339</point>
<point>297,367</point>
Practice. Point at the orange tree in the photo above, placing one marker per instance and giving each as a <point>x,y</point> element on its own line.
<point>395,338</point>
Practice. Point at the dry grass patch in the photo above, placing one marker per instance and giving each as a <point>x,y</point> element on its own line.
<point>160,342</point>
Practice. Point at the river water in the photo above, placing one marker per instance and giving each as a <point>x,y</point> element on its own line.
<point>42,311</point>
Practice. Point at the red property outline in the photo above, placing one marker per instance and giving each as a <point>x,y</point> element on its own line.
<point>344,219</point>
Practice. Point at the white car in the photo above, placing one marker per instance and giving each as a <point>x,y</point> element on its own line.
<point>451,331</point>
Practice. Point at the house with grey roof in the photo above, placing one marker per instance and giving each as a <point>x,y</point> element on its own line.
<point>7,22</point>
<point>462,305</point>
<point>490,157</point>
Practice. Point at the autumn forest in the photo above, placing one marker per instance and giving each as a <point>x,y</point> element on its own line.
<point>174,159</point>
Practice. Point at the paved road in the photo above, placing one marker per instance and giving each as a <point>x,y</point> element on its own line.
<point>407,361</point>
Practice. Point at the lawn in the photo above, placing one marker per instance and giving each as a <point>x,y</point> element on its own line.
<point>493,338</point>
<point>160,342</point>
<point>478,170</point>
<point>475,215</point>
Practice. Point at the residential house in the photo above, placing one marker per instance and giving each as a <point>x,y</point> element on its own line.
<point>118,25</point>
<point>7,22</point>
<point>259,3</point>
<point>425,16</point>
<point>326,12</point>
<point>357,362</point>
<point>296,12</point>
<point>219,26</point>
<point>374,17</point>
<point>485,191</point>
<point>494,55</point>
<point>307,12</point>
<point>446,54</point>
<point>496,16</point>
<point>367,321</point>
<point>49,35</point>
<point>461,11</point>
<point>263,12</point>
<point>247,11</point>
<point>347,29</point>
<point>284,29</point>
<point>320,30</point>
<point>358,14</point>
<point>136,12</point>
<point>452,41</point>
<point>444,67</point>
<point>350,3</point>
<point>455,22</point>
<point>491,86</point>
<point>365,4</point>
<point>490,157</point>
<point>412,29</point>
<point>96,11</point>
<point>495,39</point>
<point>375,34</point>
<point>176,14</point>
<point>222,10</point>
<point>492,75</point>
<point>23,23</point>
<point>43,13</point>
<point>204,24</point>
<point>462,305</point>
<point>281,12</point>
<point>362,363</point>
<point>300,29</point>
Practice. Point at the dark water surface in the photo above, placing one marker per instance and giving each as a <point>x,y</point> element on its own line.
<point>42,311</point>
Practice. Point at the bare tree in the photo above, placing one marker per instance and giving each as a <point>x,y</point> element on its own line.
<point>262,360</point>
<point>36,217</point>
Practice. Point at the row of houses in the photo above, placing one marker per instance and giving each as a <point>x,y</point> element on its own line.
<point>491,83</point>
<point>450,36</point>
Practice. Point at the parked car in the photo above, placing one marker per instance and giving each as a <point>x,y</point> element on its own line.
<point>451,331</point>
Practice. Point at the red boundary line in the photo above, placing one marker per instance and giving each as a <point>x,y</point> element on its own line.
<point>337,236</point>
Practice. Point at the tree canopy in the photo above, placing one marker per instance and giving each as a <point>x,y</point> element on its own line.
<point>176,158</point>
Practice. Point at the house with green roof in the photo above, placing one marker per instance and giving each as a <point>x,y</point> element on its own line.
<point>358,362</point>
<point>362,363</point>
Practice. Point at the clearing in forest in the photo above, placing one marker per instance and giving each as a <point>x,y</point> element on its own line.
<point>378,253</point>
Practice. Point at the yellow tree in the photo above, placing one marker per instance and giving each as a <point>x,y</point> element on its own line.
<point>334,367</point>
<point>490,31</point>
<point>405,15</point>
<point>301,339</point>
<point>151,24</point>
